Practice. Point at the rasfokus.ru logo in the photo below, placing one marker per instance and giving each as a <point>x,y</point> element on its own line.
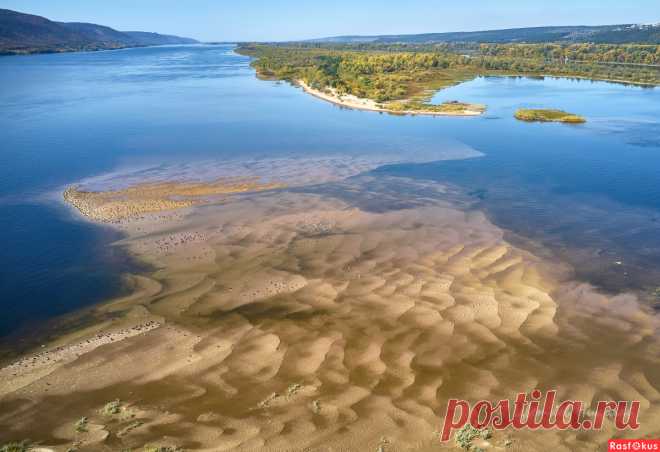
<point>633,444</point>
<point>536,411</point>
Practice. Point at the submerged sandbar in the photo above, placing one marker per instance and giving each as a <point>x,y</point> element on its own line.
<point>344,318</point>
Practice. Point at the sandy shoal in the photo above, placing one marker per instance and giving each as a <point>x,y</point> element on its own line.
<point>290,320</point>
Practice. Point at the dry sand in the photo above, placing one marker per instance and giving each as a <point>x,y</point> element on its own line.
<point>290,320</point>
<point>117,205</point>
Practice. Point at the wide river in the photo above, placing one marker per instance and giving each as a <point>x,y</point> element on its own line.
<point>587,194</point>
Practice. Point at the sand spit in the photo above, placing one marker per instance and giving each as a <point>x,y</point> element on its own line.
<point>35,366</point>
<point>302,321</point>
<point>116,205</point>
<point>358,103</point>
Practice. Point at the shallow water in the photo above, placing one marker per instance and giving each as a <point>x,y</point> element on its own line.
<point>588,190</point>
<point>591,191</point>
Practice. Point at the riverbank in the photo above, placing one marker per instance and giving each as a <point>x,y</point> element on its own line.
<point>398,108</point>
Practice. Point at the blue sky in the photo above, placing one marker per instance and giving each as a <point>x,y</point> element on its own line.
<point>296,19</point>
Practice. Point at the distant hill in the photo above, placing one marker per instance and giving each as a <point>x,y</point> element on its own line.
<point>614,34</point>
<point>26,33</point>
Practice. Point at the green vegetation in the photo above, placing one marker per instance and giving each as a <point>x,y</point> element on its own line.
<point>81,425</point>
<point>541,115</point>
<point>465,436</point>
<point>380,76</point>
<point>16,446</point>
<point>468,433</point>
<point>592,53</point>
<point>293,389</point>
<point>404,76</point>
<point>451,107</point>
<point>111,408</point>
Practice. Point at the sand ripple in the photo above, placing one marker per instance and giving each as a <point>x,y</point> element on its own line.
<point>294,321</point>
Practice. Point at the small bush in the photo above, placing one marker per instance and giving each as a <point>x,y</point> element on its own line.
<point>293,389</point>
<point>16,446</point>
<point>111,408</point>
<point>465,436</point>
<point>81,424</point>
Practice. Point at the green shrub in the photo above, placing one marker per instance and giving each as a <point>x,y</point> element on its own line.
<point>81,424</point>
<point>112,408</point>
<point>16,446</point>
<point>465,436</point>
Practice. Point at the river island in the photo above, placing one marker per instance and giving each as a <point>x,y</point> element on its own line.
<point>547,115</point>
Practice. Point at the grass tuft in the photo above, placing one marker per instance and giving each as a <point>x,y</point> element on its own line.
<point>112,408</point>
<point>465,436</point>
<point>293,389</point>
<point>81,424</point>
<point>16,446</point>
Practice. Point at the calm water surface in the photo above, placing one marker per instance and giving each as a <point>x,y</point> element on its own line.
<point>591,193</point>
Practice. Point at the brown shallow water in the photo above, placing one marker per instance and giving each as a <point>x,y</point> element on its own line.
<point>340,317</point>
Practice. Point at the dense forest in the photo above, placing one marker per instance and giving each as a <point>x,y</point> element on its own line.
<point>394,72</point>
<point>610,53</point>
<point>605,53</point>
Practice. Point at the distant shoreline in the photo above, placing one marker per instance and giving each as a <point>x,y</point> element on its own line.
<point>5,53</point>
<point>576,77</point>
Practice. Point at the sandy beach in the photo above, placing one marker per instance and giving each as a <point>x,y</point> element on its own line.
<point>336,320</point>
<point>358,103</point>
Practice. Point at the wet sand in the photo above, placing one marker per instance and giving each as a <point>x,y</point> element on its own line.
<point>333,318</point>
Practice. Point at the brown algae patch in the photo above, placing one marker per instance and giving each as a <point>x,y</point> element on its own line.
<point>115,205</point>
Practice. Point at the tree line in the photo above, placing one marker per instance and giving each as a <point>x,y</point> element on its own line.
<point>396,71</point>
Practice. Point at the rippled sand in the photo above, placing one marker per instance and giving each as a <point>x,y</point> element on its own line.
<point>337,319</point>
